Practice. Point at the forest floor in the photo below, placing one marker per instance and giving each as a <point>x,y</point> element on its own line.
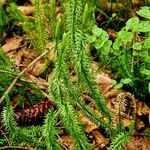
<point>29,65</point>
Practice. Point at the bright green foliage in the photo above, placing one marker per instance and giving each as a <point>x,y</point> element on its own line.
<point>50,17</point>
<point>120,137</point>
<point>117,143</point>
<point>8,118</point>
<point>5,78</point>
<point>50,131</point>
<point>131,57</point>
<point>18,134</point>
<point>61,90</point>
<point>144,12</point>
<point>101,42</point>
<point>3,22</point>
<point>72,36</point>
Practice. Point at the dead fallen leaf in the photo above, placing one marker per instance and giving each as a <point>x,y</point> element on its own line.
<point>112,33</point>
<point>12,44</point>
<point>89,126</point>
<point>26,10</point>
<point>104,82</point>
<point>39,81</point>
<point>100,139</point>
<point>142,108</point>
<point>66,142</point>
<point>18,58</point>
<point>37,69</point>
<point>138,142</point>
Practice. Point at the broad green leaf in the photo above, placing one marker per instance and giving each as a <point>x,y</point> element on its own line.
<point>149,87</point>
<point>118,86</point>
<point>137,46</point>
<point>144,26</point>
<point>136,53</point>
<point>147,59</point>
<point>147,43</point>
<point>126,81</point>
<point>125,36</point>
<point>144,12</point>
<point>106,47</point>
<point>91,38</point>
<point>117,44</point>
<point>114,82</point>
<point>145,72</point>
<point>97,31</point>
<point>99,43</point>
<point>104,35</point>
<point>131,23</point>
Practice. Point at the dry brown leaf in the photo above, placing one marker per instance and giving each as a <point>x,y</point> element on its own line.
<point>138,142</point>
<point>12,44</point>
<point>89,126</point>
<point>37,68</point>
<point>104,82</point>
<point>126,122</point>
<point>100,139</point>
<point>26,10</point>
<point>142,108</point>
<point>112,33</point>
<point>18,58</point>
<point>2,2</point>
<point>66,142</point>
<point>39,81</point>
<point>139,124</point>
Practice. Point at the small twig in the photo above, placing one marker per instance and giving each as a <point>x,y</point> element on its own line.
<point>24,80</point>
<point>5,136</point>
<point>21,73</point>
<point>15,147</point>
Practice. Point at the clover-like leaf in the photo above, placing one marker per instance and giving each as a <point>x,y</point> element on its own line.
<point>144,12</point>
<point>132,23</point>
<point>97,31</point>
<point>91,38</point>
<point>147,42</point>
<point>145,72</point>
<point>137,46</point>
<point>125,36</point>
<point>126,81</point>
<point>99,43</point>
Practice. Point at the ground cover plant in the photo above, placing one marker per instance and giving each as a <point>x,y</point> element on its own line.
<point>74,74</point>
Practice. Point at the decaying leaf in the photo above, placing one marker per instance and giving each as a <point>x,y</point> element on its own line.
<point>142,108</point>
<point>12,44</point>
<point>104,82</point>
<point>138,142</point>
<point>26,10</point>
<point>100,139</point>
<point>66,142</point>
<point>89,126</point>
